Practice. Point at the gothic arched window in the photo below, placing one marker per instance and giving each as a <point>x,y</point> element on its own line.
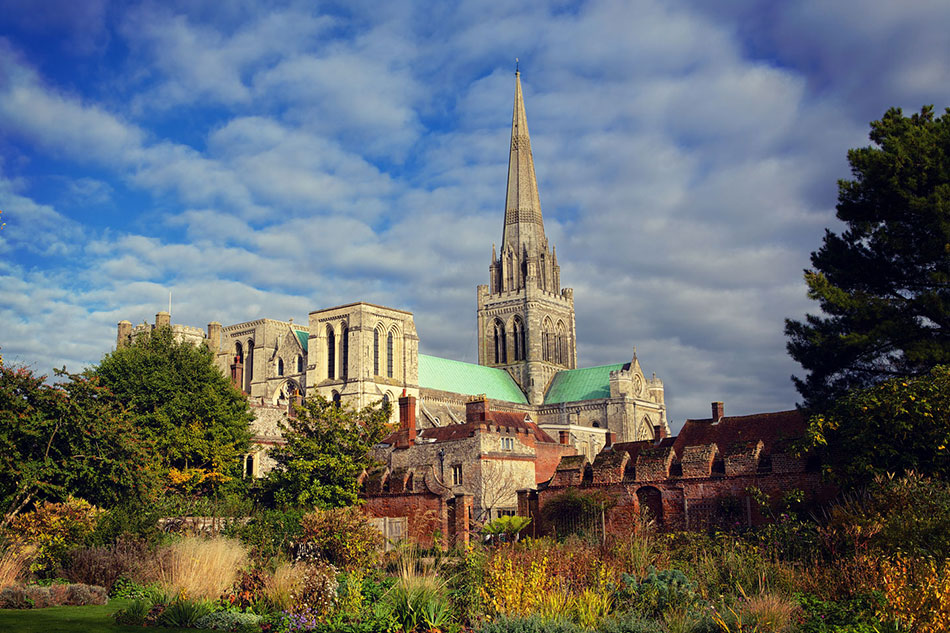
<point>280,366</point>
<point>331,353</point>
<point>389,354</point>
<point>345,353</point>
<point>501,344</point>
<point>375,352</point>
<point>560,343</point>
<point>517,331</point>
<point>299,363</point>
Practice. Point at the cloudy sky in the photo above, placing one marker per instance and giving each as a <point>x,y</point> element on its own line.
<point>266,162</point>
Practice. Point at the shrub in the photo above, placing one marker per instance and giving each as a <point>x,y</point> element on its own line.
<point>631,623</point>
<point>918,593</point>
<point>575,512</point>
<point>183,613</point>
<point>14,562</point>
<point>530,624</point>
<point>342,536</point>
<point>230,621</point>
<point>81,595</point>
<point>248,589</point>
<point>202,568</point>
<point>269,534</point>
<point>135,614</point>
<point>658,592</point>
<point>38,597</point>
<point>55,529</point>
<point>13,597</point>
<point>515,590</point>
<point>317,590</point>
<point>465,578</point>
<point>129,557</point>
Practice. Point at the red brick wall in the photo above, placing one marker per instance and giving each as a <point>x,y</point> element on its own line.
<point>690,503</point>
<point>426,514</point>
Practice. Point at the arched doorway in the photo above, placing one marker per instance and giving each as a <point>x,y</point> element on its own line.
<point>650,498</point>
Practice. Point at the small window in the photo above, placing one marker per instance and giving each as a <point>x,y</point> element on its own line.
<point>457,475</point>
<point>506,512</point>
<point>280,366</point>
<point>507,444</point>
<point>299,363</point>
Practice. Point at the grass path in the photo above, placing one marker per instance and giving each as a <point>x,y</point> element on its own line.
<point>96,619</point>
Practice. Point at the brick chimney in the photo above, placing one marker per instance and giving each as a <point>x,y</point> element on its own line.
<point>476,409</point>
<point>407,422</point>
<point>609,439</point>
<point>564,437</point>
<point>718,411</point>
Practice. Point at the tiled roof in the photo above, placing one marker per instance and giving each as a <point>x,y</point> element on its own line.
<point>302,336</point>
<point>465,378</point>
<point>774,429</point>
<point>572,385</point>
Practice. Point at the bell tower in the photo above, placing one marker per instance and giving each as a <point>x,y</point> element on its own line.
<point>525,318</point>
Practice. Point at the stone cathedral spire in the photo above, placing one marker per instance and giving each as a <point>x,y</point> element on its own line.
<point>525,318</point>
<point>524,225</point>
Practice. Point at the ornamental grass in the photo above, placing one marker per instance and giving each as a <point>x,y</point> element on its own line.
<point>201,569</point>
<point>14,563</point>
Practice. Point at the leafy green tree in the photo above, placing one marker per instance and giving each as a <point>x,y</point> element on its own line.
<point>182,402</point>
<point>71,438</point>
<point>327,448</point>
<point>898,426</point>
<point>883,284</point>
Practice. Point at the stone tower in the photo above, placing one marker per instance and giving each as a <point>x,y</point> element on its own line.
<point>525,318</point>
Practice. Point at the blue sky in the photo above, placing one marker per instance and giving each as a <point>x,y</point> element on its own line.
<point>269,159</point>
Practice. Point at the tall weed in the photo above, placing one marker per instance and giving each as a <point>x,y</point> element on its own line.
<point>201,569</point>
<point>14,563</point>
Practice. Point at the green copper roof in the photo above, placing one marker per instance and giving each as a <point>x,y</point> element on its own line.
<point>472,380</point>
<point>302,336</point>
<point>572,385</point>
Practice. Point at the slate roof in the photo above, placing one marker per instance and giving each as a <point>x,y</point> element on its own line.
<point>303,336</point>
<point>572,385</point>
<point>774,429</point>
<point>465,378</point>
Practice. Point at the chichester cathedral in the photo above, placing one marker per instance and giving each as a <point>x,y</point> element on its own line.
<point>361,353</point>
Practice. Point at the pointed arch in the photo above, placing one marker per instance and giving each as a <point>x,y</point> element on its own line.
<point>238,352</point>
<point>299,364</point>
<point>390,338</point>
<point>345,352</point>
<point>517,333</point>
<point>331,352</point>
<point>560,344</point>
<point>280,366</point>
<point>249,366</point>
<point>376,351</point>
<point>547,340</point>
<point>501,343</point>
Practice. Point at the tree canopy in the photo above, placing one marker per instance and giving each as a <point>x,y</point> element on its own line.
<point>71,438</point>
<point>899,426</point>
<point>183,404</point>
<point>328,445</point>
<point>883,284</point>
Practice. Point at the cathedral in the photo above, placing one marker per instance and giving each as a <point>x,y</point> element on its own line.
<point>361,353</point>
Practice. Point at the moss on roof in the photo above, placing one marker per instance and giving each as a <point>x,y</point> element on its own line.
<point>573,385</point>
<point>458,377</point>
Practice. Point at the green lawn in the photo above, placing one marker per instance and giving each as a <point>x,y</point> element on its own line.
<point>72,620</point>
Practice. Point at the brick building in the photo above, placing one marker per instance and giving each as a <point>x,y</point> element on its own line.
<point>485,460</point>
<point>700,478</point>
